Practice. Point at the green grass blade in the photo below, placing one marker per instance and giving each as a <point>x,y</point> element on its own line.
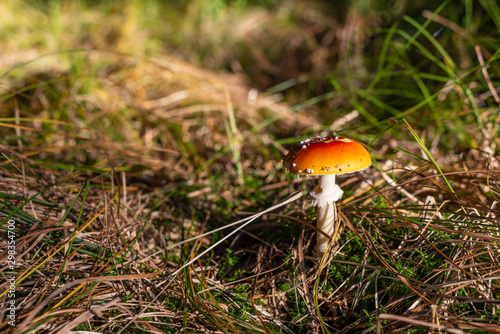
<point>431,158</point>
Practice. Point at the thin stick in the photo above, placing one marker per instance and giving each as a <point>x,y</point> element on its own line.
<point>295,196</point>
<point>486,75</point>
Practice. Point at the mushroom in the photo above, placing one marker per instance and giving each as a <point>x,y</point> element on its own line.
<point>326,157</point>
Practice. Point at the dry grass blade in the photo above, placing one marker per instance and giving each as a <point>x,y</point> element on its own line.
<point>420,323</point>
<point>86,316</point>
<point>30,318</point>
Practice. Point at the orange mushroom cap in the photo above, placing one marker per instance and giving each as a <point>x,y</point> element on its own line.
<point>328,155</point>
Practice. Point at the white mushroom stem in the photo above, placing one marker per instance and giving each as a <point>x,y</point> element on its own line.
<point>324,196</point>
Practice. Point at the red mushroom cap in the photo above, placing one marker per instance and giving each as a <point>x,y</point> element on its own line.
<point>328,155</point>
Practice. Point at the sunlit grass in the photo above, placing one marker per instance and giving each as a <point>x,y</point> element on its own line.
<point>132,137</point>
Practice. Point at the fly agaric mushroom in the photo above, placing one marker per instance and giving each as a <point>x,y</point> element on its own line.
<point>326,157</point>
